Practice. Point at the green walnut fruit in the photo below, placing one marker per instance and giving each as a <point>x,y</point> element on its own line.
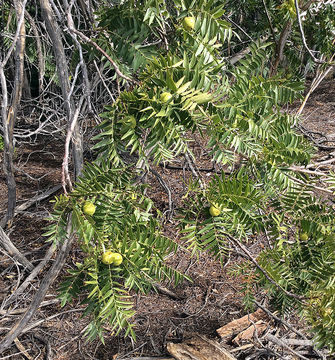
<point>188,23</point>
<point>165,97</point>
<point>214,210</point>
<point>117,259</point>
<point>111,258</point>
<point>303,236</point>
<point>89,208</point>
<point>108,257</point>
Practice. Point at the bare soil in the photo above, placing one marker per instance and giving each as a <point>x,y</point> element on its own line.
<point>212,299</point>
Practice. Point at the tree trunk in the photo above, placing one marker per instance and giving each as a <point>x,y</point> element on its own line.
<point>63,75</point>
<point>280,46</point>
<point>8,118</point>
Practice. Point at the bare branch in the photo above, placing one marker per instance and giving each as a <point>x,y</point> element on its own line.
<point>16,36</point>
<point>317,61</point>
<point>115,66</point>
<point>13,251</point>
<point>263,271</point>
<point>41,292</point>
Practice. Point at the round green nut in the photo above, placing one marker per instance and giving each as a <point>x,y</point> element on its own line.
<point>189,23</point>
<point>303,236</point>
<point>214,210</point>
<point>165,97</point>
<point>111,258</point>
<point>89,208</point>
<point>107,257</point>
<point>117,259</point>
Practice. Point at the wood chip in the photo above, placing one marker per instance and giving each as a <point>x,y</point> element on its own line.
<point>198,347</point>
<point>22,349</point>
<point>238,325</point>
<point>248,334</point>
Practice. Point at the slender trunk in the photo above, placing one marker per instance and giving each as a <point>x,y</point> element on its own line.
<point>280,46</point>
<point>8,118</point>
<point>63,75</point>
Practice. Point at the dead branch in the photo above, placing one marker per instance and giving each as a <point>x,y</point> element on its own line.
<point>39,49</point>
<point>263,271</point>
<point>282,344</point>
<point>39,197</point>
<point>163,290</point>
<point>90,41</point>
<point>82,63</point>
<point>66,180</point>
<point>48,355</point>
<point>199,348</point>
<point>238,325</point>
<point>301,30</point>
<point>13,251</point>
<point>237,26</point>
<point>287,325</point>
<point>21,311</point>
<point>35,199</point>
<point>63,75</point>
<point>16,36</point>
<point>40,294</point>
<point>315,83</point>
<point>241,54</point>
<point>31,276</point>
<point>167,189</point>
<point>299,342</point>
<point>8,118</point>
<point>191,165</point>
<point>21,348</point>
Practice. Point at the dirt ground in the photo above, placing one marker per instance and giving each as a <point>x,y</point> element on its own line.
<point>213,298</point>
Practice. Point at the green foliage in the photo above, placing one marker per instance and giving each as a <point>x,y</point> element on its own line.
<point>123,223</point>
<point>239,110</point>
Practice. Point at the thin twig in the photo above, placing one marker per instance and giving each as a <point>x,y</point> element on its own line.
<point>263,271</point>
<point>163,290</point>
<point>281,343</point>
<point>191,165</point>
<point>116,68</point>
<point>22,349</point>
<point>287,325</point>
<point>166,188</point>
<point>270,22</point>
<point>32,275</point>
<point>21,311</point>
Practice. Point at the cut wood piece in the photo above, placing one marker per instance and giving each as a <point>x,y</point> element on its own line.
<point>238,325</point>
<point>149,358</point>
<point>198,347</point>
<point>248,334</point>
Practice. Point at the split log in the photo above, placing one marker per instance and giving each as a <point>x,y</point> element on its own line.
<point>198,347</point>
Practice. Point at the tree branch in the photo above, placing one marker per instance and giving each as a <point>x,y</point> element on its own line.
<point>40,294</point>
<point>317,61</point>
